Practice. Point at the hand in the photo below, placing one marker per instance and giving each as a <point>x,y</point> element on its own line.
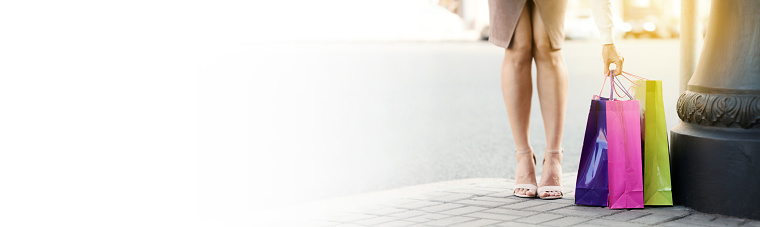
<point>611,55</point>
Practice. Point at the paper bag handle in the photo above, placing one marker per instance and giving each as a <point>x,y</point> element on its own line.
<point>620,85</point>
<point>612,87</point>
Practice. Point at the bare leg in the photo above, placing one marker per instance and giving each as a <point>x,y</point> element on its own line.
<point>552,94</point>
<point>517,89</point>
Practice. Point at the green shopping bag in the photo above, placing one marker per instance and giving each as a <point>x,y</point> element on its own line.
<point>654,144</point>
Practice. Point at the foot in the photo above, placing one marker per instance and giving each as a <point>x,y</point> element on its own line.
<point>525,179</point>
<point>551,176</point>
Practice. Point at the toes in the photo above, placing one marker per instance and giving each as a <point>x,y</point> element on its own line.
<point>550,193</point>
<point>524,191</point>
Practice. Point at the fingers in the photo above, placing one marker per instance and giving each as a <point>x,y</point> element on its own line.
<point>612,56</point>
<point>619,68</point>
<point>607,68</point>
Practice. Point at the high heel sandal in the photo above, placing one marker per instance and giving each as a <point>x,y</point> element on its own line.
<point>529,187</point>
<point>548,189</point>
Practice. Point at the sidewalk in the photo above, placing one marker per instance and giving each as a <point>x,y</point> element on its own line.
<point>486,202</point>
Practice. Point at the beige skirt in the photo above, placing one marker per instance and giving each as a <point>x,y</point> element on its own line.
<point>505,13</point>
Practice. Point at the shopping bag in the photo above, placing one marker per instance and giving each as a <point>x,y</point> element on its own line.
<point>654,144</point>
<point>626,188</point>
<point>591,182</point>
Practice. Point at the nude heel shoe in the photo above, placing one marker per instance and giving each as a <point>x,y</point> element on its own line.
<point>548,189</point>
<point>526,186</point>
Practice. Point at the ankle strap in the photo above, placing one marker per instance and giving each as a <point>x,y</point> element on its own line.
<point>555,151</point>
<point>524,152</point>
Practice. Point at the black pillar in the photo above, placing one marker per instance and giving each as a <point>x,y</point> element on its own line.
<point>715,150</point>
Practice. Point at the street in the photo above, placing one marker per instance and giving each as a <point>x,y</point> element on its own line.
<point>332,119</point>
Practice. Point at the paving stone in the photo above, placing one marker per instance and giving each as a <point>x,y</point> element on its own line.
<point>548,207</point>
<point>507,200</point>
<point>503,194</point>
<point>463,210</point>
<point>539,218</point>
<point>701,217</point>
<point>477,223</point>
<point>495,190</point>
<point>481,203</point>
<point>626,215</point>
<point>449,221</point>
<point>667,211</point>
<point>396,223</point>
<point>752,223</point>
<point>442,207</point>
<point>451,198</point>
<point>495,187</point>
<point>505,183</point>
<point>317,223</point>
<point>324,216</point>
<point>566,221</point>
<point>493,216</point>
<point>408,214</point>
<point>473,191</point>
<point>685,222</point>
<point>418,204</point>
<point>384,211</point>
<point>726,221</point>
<point>520,213</point>
<point>394,202</point>
<point>426,218</point>
<point>565,200</point>
<point>676,207</point>
<point>375,221</point>
<point>692,222</point>
<point>604,222</point>
<point>430,195</point>
<point>585,211</point>
<point>347,225</point>
<point>526,204</point>
<point>653,219</point>
<point>351,217</point>
<point>517,224</point>
<point>365,209</point>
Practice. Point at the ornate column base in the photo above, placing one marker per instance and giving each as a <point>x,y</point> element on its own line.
<point>715,154</point>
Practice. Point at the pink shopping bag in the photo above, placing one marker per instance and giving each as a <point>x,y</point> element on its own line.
<point>626,185</point>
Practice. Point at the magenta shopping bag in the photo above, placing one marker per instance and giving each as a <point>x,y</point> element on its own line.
<point>626,187</point>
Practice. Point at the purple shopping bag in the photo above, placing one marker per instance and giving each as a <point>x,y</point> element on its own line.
<point>626,185</point>
<point>591,183</point>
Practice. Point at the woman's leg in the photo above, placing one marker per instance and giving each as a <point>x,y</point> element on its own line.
<point>552,94</point>
<point>517,89</point>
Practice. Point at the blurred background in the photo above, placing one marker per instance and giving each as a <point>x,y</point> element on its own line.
<point>168,111</point>
<point>358,96</point>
